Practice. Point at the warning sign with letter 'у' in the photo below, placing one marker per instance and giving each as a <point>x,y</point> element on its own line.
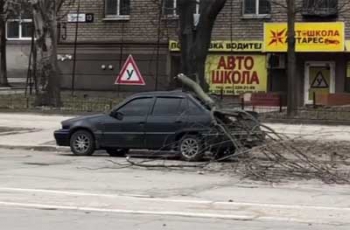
<point>319,78</point>
<point>130,74</point>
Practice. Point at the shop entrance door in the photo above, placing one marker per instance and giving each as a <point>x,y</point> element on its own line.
<point>319,79</point>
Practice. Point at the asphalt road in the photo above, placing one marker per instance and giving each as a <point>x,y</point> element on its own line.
<point>40,219</point>
<point>53,190</point>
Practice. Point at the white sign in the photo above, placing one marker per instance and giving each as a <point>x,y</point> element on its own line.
<point>130,74</point>
<point>75,17</point>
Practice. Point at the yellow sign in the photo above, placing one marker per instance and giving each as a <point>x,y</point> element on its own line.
<point>310,37</point>
<point>319,78</point>
<point>226,46</point>
<point>236,74</point>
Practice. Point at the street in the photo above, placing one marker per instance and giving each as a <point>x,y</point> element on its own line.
<point>55,190</point>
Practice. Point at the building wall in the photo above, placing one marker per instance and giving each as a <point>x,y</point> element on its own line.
<point>143,23</point>
<point>17,62</point>
<point>91,76</point>
<point>100,42</point>
<point>142,27</point>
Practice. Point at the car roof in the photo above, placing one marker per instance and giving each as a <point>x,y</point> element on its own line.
<point>175,93</point>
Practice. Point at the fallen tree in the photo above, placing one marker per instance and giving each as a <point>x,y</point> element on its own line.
<point>273,157</point>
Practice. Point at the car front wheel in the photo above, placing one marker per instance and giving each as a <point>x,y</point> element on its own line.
<point>191,148</point>
<point>82,143</point>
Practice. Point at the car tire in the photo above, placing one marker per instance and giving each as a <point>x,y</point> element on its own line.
<point>117,152</point>
<point>82,143</point>
<point>191,148</point>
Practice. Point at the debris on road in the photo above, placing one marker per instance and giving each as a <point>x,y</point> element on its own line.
<point>258,152</point>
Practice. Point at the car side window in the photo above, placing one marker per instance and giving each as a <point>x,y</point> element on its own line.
<point>168,106</point>
<point>136,107</point>
<point>193,108</point>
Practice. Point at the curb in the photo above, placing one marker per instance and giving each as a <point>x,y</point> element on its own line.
<point>47,148</point>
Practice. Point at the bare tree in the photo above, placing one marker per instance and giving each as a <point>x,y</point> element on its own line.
<point>6,8</point>
<point>291,56</point>
<point>195,39</point>
<point>45,23</point>
<point>292,8</point>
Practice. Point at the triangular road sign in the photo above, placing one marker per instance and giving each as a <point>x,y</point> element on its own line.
<point>319,81</point>
<point>130,74</point>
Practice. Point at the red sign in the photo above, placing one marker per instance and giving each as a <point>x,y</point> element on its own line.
<point>130,74</point>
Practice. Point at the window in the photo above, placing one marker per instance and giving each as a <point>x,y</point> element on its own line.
<point>169,7</point>
<point>320,7</point>
<point>20,26</point>
<point>193,108</point>
<point>168,106</point>
<point>117,8</point>
<point>137,107</point>
<point>256,7</point>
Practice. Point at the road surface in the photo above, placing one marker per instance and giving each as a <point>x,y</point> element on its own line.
<point>54,190</point>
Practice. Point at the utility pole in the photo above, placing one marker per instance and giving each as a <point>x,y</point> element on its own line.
<point>75,48</point>
<point>292,103</point>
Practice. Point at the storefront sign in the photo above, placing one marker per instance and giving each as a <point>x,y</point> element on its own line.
<point>236,74</point>
<point>310,37</point>
<point>226,46</point>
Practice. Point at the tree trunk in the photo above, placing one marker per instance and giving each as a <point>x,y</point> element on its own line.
<point>195,41</point>
<point>3,63</point>
<point>44,14</point>
<point>291,65</point>
<point>187,38</point>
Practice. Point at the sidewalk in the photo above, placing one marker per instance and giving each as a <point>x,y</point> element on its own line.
<point>38,131</point>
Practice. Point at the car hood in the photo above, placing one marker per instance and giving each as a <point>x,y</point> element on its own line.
<point>85,118</point>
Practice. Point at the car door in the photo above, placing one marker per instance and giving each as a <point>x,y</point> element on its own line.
<point>129,130</point>
<point>165,120</point>
<point>198,117</point>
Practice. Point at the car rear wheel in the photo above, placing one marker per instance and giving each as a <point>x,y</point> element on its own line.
<point>82,143</point>
<point>117,152</point>
<point>191,148</point>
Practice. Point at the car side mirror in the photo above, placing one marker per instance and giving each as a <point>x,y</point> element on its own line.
<point>117,115</point>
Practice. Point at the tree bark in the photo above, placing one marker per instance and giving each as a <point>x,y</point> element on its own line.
<point>45,23</point>
<point>195,41</point>
<point>3,63</point>
<point>291,65</point>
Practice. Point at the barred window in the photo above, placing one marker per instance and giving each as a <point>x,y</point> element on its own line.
<point>321,4</point>
<point>320,8</point>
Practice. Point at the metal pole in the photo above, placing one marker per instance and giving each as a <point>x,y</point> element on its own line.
<point>75,48</point>
<point>314,99</point>
<point>121,53</point>
<point>158,44</point>
<point>29,73</point>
